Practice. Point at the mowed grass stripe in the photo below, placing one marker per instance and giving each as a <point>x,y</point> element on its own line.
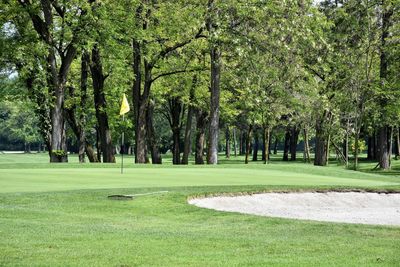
<point>41,180</point>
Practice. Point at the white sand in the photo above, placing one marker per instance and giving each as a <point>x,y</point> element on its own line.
<point>349,207</point>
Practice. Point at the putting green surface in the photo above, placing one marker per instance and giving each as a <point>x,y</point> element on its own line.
<point>59,215</point>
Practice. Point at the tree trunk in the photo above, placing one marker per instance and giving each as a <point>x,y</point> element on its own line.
<point>201,122</point>
<point>356,148</point>
<point>248,144</point>
<point>98,144</point>
<point>264,146</point>
<point>85,61</point>
<point>286,145</point>
<point>321,140</point>
<point>175,110</point>
<point>255,146</point>
<point>383,147</point>
<point>227,142</point>
<point>136,89</point>
<point>90,153</point>
<point>276,145</point>
<point>141,153</point>
<point>188,130</point>
<point>306,145</point>
<point>100,103</point>
<point>187,145</point>
<point>242,143</point>
<point>215,53</point>
<point>397,143</point>
<point>267,141</point>
<point>234,142</point>
<point>294,138</point>
<point>151,136</point>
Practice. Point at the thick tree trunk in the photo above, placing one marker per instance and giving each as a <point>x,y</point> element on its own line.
<point>141,153</point>
<point>85,61</point>
<point>151,136</point>
<point>286,145</point>
<point>175,111</point>
<point>212,156</point>
<point>136,89</point>
<point>141,134</point>
<point>294,137</point>
<point>201,122</point>
<point>188,130</point>
<point>90,153</point>
<point>227,142</point>
<point>215,53</point>
<point>58,133</point>
<point>383,140</point>
<point>321,140</point>
<point>248,144</point>
<point>383,147</point>
<point>100,104</point>
<point>188,137</point>
<point>255,146</point>
<point>78,130</point>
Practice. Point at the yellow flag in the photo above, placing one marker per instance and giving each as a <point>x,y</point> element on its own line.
<point>124,106</point>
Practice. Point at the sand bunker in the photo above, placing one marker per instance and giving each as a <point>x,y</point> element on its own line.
<point>348,207</point>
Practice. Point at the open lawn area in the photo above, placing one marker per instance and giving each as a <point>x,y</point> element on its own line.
<point>59,215</point>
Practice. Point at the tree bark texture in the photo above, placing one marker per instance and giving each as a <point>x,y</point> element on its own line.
<point>201,122</point>
<point>188,130</point>
<point>100,104</point>
<point>248,144</point>
<point>255,146</point>
<point>294,138</point>
<point>151,136</point>
<point>286,146</point>
<point>383,148</point>
<point>175,109</point>
<point>266,145</point>
<point>215,53</point>
<point>321,139</point>
<point>227,142</point>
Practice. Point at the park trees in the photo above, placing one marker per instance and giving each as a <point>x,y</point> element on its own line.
<point>294,70</point>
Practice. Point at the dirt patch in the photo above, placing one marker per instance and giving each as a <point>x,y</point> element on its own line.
<point>348,207</point>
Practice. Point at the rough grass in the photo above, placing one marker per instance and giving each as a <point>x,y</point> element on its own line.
<point>60,216</point>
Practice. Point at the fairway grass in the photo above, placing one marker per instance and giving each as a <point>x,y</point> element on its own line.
<point>59,215</point>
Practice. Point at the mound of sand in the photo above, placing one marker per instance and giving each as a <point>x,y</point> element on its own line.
<point>348,207</point>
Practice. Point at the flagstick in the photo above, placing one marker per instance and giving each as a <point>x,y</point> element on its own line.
<point>122,144</point>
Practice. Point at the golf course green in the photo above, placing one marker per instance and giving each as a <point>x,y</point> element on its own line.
<point>59,215</point>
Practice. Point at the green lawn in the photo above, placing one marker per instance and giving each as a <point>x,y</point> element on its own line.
<point>59,215</point>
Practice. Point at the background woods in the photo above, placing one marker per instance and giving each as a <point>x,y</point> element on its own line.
<point>202,77</point>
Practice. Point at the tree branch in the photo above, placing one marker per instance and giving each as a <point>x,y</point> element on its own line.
<point>321,76</point>
<point>176,72</point>
<point>175,46</point>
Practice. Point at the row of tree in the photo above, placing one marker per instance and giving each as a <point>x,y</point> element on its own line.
<point>191,68</point>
